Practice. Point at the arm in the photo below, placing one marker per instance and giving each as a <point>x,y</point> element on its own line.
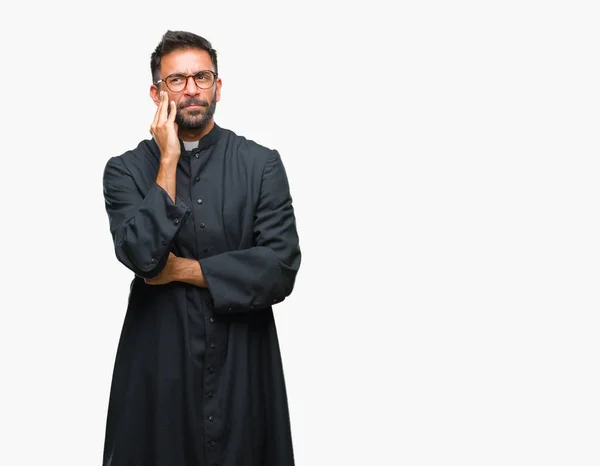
<point>263,275</point>
<point>142,227</point>
<point>179,269</point>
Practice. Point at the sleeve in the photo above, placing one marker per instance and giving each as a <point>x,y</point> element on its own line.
<point>264,274</point>
<point>142,227</point>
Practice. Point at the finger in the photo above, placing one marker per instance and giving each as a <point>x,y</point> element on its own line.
<point>173,113</point>
<point>157,114</point>
<point>163,109</point>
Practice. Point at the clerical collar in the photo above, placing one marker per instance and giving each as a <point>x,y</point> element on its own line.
<point>190,145</point>
<point>206,141</point>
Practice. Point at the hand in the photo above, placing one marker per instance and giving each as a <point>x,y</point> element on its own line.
<point>166,275</point>
<point>164,129</point>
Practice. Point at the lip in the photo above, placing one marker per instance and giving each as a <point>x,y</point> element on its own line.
<point>193,107</point>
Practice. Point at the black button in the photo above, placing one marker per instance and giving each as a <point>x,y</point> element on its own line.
<point>176,221</point>
<point>211,370</point>
<point>211,418</point>
<point>229,309</point>
<point>210,394</point>
<point>205,250</point>
<point>213,346</point>
<point>153,261</point>
<point>164,243</point>
<point>252,306</point>
<point>196,155</point>
<point>212,443</point>
<point>202,225</point>
<point>197,178</point>
<point>199,201</point>
<point>212,320</point>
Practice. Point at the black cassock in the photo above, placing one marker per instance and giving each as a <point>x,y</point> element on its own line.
<point>198,377</point>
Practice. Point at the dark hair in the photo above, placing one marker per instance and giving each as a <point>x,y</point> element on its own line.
<point>179,40</point>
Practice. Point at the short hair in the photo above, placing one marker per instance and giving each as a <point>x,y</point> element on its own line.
<point>179,40</point>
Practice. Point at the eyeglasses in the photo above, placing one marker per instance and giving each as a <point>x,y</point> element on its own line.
<point>176,82</point>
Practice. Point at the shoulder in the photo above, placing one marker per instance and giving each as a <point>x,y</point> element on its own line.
<point>246,149</point>
<point>146,154</point>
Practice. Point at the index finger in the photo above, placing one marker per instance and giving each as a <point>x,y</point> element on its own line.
<point>163,109</point>
<point>158,109</point>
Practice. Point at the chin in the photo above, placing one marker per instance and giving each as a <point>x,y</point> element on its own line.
<point>193,124</point>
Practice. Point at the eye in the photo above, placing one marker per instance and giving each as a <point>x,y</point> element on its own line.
<point>176,79</point>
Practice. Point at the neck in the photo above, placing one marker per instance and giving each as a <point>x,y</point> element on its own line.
<point>196,134</point>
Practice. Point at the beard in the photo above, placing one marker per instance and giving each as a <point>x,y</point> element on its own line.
<point>197,118</point>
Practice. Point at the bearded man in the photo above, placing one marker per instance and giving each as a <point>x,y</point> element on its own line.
<point>204,220</point>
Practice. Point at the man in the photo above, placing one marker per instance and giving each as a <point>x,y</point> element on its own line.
<point>204,219</point>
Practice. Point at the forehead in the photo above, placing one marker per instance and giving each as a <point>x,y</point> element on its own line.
<point>185,61</point>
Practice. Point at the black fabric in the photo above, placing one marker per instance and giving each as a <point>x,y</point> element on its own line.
<point>198,377</point>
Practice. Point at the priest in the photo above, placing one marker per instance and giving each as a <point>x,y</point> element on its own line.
<point>204,219</point>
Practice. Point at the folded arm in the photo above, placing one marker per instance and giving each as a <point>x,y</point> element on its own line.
<point>142,227</point>
<point>265,274</point>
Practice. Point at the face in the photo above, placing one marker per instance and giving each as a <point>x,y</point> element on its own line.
<point>195,106</point>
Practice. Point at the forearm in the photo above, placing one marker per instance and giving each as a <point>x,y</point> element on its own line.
<point>253,278</point>
<point>167,176</point>
<point>188,271</point>
<point>142,224</point>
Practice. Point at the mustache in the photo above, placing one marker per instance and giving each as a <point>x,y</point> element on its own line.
<point>187,103</point>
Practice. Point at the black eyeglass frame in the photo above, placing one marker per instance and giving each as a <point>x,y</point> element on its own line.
<point>188,76</point>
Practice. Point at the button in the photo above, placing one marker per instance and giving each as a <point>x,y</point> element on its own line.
<point>212,320</point>
<point>202,225</point>
<point>176,221</point>
<point>213,346</point>
<point>211,370</point>
<point>212,443</point>
<point>211,418</point>
<point>197,155</point>
<point>252,306</point>
<point>197,178</point>
<point>164,242</point>
<point>229,309</point>
<point>205,250</point>
<point>199,201</point>
<point>153,261</point>
<point>275,300</point>
<point>210,394</point>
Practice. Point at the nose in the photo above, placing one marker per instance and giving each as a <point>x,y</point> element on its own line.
<point>190,86</point>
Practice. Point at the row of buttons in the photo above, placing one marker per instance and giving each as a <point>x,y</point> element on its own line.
<point>210,393</point>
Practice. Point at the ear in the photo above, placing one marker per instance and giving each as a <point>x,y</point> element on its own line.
<point>218,91</point>
<point>155,94</point>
